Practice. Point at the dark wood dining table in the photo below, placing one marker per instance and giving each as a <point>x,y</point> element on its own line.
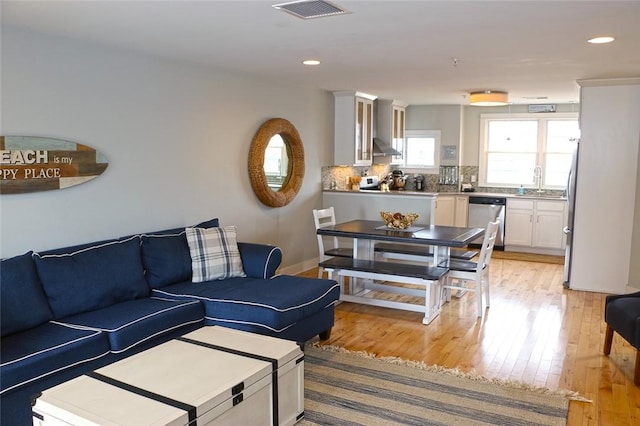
<point>373,274</point>
<point>366,232</point>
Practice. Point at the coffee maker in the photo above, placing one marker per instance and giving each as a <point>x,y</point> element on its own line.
<point>399,179</point>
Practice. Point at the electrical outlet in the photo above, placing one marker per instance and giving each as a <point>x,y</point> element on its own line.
<point>473,178</point>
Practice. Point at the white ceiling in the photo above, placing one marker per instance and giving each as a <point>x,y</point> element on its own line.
<point>535,50</point>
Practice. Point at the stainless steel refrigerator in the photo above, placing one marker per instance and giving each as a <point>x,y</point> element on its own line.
<point>571,204</point>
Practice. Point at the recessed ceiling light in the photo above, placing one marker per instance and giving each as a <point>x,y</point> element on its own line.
<point>600,40</point>
<point>311,62</point>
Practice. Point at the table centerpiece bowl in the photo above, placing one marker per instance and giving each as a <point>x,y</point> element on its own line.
<point>398,220</point>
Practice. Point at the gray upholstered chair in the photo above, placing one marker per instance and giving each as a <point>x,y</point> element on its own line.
<point>622,315</point>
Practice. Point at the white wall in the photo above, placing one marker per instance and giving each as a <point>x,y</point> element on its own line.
<point>176,136</point>
<point>446,118</point>
<point>634,270</point>
<point>605,220</point>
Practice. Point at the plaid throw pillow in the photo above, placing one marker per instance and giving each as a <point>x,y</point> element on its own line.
<point>214,253</point>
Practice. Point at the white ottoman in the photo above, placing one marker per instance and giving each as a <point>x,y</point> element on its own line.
<point>213,376</point>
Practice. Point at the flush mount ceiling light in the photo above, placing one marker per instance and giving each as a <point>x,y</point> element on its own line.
<point>488,98</point>
<point>601,40</point>
<point>309,9</point>
<point>311,62</point>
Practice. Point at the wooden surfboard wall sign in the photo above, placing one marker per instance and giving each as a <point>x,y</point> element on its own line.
<point>32,164</point>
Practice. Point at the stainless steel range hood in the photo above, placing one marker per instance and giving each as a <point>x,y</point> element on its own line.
<point>381,148</point>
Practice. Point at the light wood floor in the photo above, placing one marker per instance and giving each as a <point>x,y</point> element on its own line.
<point>535,331</point>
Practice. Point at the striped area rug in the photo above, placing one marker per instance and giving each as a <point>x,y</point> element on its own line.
<point>344,388</point>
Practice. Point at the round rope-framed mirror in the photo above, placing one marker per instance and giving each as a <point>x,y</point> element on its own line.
<point>285,172</point>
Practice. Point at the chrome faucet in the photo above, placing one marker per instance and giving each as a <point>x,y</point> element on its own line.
<point>537,178</point>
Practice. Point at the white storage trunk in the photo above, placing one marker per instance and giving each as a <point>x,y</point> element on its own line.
<point>287,361</point>
<point>175,383</point>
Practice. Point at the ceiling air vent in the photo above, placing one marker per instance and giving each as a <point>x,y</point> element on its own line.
<point>309,9</point>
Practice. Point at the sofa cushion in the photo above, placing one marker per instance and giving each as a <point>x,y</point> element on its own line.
<point>274,304</point>
<point>47,349</point>
<point>214,253</point>
<point>130,323</point>
<point>260,260</point>
<point>23,304</point>
<point>166,256</point>
<point>93,277</point>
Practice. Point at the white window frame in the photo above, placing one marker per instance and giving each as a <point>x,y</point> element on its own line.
<point>542,119</point>
<point>402,161</point>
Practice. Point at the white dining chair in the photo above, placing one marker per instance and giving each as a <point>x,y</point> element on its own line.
<point>323,218</point>
<point>473,276</point>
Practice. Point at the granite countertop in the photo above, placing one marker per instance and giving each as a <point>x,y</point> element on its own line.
<point>434,194</point>
<point>391,192</point>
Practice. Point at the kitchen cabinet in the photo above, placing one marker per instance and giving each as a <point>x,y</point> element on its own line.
<point>535,225</point>
<point>445,210</point>
<point>519,223</point>
<point>390,123</point>
<point>461,213</point>
<point>451,210</point>
<point>353,126</point>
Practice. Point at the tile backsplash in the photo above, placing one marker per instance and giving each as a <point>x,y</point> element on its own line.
<point>337,177</point>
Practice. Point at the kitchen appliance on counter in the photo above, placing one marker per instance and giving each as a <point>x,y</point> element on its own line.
<point>399,179</point>
<point>467,187</point>
<point>483,210</point>
<point>370,183</point>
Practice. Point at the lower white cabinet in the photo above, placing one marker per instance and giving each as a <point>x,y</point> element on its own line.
<point>452,210</point>
<point>535,224</point>
<point>445,210</point>
<point>461,213</point>
<point>519,223</point>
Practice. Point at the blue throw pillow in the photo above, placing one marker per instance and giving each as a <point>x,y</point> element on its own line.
<point>213,223</point>
<point>93,277</point>
<point>23,304</point>
<point>166,255</point>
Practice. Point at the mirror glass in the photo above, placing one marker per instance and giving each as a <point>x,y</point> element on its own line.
<point>276,162</point>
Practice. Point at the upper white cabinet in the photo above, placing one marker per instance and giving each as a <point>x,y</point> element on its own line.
<point>535,224</point>
<point>353,144</point>
<point>390,122</point>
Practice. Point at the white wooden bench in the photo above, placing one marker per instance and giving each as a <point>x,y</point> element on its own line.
<point>366,272</point>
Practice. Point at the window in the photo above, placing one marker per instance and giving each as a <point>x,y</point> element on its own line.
<point>420,149</point>
<point>512,145</point>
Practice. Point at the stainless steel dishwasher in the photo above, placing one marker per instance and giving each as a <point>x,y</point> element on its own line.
<point>482,210</point>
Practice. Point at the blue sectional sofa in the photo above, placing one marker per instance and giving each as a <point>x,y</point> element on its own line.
<point>68,311</point>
